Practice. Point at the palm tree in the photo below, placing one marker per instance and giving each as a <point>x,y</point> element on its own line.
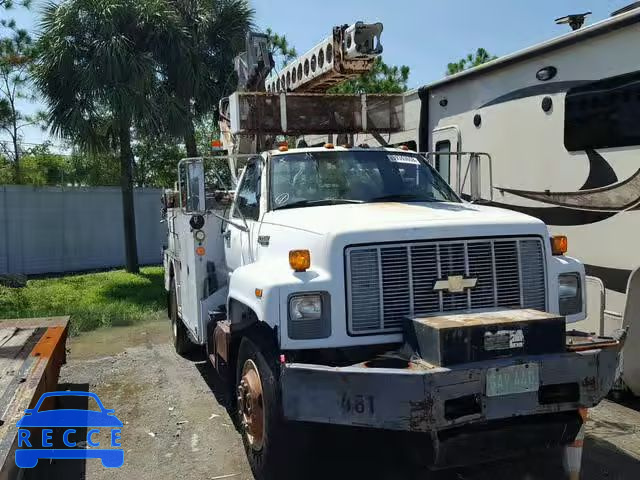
<point>199,70</point>
<point>96,69</point>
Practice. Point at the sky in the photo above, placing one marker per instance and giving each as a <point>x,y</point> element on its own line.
<point>423,34</point>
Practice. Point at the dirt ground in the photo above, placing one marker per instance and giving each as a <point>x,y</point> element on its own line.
<point>176,425</point>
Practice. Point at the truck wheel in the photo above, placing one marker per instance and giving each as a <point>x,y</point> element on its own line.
<point>265,434</point>
<point>179,335</point>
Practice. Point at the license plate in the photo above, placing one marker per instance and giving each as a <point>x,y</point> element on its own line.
<point>512,380</point>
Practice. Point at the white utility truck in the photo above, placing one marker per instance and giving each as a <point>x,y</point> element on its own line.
<point>352,286</point>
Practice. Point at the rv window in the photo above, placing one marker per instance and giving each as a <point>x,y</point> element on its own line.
<point>443,162</point>
<point>603,114</point>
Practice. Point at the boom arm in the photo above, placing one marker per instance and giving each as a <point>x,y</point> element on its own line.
<point>260,108</point>
<point>349,52</point>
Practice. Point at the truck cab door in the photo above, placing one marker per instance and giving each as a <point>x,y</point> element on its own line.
<point>239,249</point>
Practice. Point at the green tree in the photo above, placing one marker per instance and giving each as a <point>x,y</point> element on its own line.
<point>6,171</point>
<point>471,60</point>
<point>93,168</point>
<point>8,4</point>
<point>157,162</point>
<point>280,49</point>
<point>96,70</point>
<point>41,167</point>
<point>16,55</point>
<point>382,78</point>
<point>198,70</point>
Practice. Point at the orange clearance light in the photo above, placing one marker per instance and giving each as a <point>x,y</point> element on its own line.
<point>329,146</point>
<point>300,260</point>
<point>200,251</point>
<point>559,245</point>
<point>216,144</point>
<point>283,148</point>
<point>258,293</point>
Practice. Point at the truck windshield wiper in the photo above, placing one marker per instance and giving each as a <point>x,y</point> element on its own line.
<point>318,203</point>
<point>402,197</point>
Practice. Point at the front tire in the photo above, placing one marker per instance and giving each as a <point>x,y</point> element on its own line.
<point>265,434</point>
<point>179,335</point>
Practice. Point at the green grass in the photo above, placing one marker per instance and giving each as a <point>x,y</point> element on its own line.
<point>92,300</point>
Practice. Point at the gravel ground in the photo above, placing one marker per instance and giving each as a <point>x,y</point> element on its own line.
<point>176,425</point>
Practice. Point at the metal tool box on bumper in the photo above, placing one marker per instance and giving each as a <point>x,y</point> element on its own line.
<point>452,400</point>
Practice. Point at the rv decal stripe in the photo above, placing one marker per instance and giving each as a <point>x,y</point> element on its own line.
<point>535,90</point>
<point>558,216</point>
<point>613,198</point>
<point>601,174</point>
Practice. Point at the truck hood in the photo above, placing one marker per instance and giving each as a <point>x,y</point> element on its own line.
<point>404,217</point>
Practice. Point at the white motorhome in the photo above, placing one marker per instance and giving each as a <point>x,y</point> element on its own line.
<point>561,121</point>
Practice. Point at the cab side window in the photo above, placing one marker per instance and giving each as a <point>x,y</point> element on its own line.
<point>248,196</point>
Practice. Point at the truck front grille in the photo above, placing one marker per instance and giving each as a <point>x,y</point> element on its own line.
<point>387,283</point>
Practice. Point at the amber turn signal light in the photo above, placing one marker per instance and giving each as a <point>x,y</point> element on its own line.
<point>300,260</point>
<point>559,245</point>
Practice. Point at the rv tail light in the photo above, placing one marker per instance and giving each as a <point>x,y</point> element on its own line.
<point>300,260</point>
<point>559,244</point>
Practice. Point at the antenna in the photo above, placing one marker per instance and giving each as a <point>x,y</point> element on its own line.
<point>575,21</point>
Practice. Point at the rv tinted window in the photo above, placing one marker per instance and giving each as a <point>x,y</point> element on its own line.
<point>603,114</point>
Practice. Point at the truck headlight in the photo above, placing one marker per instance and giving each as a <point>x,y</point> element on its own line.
<point>569,293</point>
<point>309,316</point>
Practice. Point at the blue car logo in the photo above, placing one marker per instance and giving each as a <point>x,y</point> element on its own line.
<point>36,443</point>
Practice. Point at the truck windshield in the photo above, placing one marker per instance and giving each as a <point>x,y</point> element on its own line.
<point>356,176</point>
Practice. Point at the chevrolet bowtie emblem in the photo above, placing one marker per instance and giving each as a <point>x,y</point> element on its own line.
<point>455,284</point>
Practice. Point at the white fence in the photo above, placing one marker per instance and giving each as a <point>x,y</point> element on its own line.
<point>61,229</point>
